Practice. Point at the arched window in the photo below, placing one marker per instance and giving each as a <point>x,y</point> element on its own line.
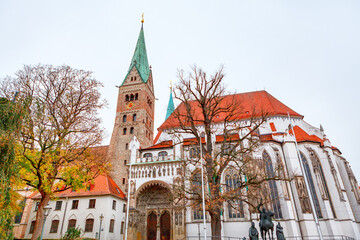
<point>124,131</point>
<point>232,182</point>
<point>54,226</point>
<point>89,224</point>
<point>111,227</point>
<point>272,184</point>
<point>132,97</point>
<point>131,130</point>
<point>162,155</point>
<point>196,189</point>
<point>147,156</point>
<point>71,224</point>
<point>136,96</point>
<point>312,185</point>
<point>124,118</point>
<point>194,152</point>
<point>134,118</point>
<point>127,98</point>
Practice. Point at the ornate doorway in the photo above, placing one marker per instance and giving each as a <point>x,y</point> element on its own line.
<point>165,226</point>
<point>151,226</point>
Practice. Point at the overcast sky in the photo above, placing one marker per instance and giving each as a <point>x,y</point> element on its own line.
<point>304,53</point>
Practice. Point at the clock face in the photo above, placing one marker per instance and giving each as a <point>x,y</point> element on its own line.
<point>130,105</point>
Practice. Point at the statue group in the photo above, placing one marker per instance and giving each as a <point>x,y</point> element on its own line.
<point>266,226</point>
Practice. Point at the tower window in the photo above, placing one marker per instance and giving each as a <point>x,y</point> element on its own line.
<point>132,97</point>
<point>127,98</point>
<point>124,131</point>
<point>134,118</point>
<point>126,146</point>
<point>124,118</point>
<point>136,96</point>
<point>123,181</point>
<point>131,130</point>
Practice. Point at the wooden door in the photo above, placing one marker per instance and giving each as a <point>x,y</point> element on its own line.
<point>151,226</point>
<point>165,226</point>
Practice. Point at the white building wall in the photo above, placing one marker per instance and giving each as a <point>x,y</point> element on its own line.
<point>103,206</point>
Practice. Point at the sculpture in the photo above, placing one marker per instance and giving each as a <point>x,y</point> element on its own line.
<point>253,232</point>
<point>280,232</point>
<point>265,223</point>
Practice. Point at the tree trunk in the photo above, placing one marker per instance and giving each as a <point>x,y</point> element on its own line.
<point>40,216</point>
<point>216,223</point>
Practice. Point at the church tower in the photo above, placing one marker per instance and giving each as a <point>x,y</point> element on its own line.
<point>134,112</point>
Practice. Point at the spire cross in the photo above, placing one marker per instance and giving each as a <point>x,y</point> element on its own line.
<point>170,84</point>
<point>142,18</point>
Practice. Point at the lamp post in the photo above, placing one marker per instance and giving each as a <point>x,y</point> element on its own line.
<point>101,219</point>
<point>202,185</point>
<point>46,210</point>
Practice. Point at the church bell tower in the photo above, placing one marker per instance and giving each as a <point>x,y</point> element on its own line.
<point>134,112</point>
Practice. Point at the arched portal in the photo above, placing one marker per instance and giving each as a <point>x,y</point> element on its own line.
<point>154,204</point>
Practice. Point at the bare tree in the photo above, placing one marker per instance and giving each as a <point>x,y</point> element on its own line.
<point>59,127</point>
<point>206,110</point>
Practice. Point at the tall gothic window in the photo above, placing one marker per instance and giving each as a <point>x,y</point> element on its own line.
<point>196,188</point>
<point>131,130</point>
<point>232,182</point>
<point>312,185</point>
<point>124,118</point>
<point>272,184</point>
<point>134,117</point>
<point>124,131</point>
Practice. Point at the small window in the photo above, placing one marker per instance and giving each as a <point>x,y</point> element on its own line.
<point>54,226</point>
<point>114,205</point>
<point>123,181</point>
<point>148,156</point>
<point>32,226</point>
<point>134,118</point>
<point>124,118</point>
<point>122,228</point>
<point>71,224</point>
<point>127,98</point>
<point>112,223</point>
<point>131,130</point>
<point>37,206</point>
<point>195,152</point>
<point>162,155</point>
<point>58,205</point>
<point>125,162</point>
<point>126,146</point>
<point>132,97</point>
<point>89,225</point>
<point>75,204</point>
<point>136,96</point>
<point>124,207</point>
<point>92,203</point>
<point>124,131</point>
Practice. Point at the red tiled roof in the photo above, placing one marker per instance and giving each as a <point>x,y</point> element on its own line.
<point>272,126</point>
<point>233,137</point>
<point>157,137</point>
<point>302,136</point>
<point>164,144</point>
<point>103,185</point>
<point>251,104</point>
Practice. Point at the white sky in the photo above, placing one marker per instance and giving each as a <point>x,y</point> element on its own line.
<point>305,53</point>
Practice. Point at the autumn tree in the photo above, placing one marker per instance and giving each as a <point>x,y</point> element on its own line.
<point>59,127</point>
<point>10,122</point>
<point>225,136</point>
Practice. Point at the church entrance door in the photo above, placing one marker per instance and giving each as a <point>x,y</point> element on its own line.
<point>151,226</point>
<point>165,226</point>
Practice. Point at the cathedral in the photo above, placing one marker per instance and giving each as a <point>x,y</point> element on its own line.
<point>146,167</point>
<point>323,197</point>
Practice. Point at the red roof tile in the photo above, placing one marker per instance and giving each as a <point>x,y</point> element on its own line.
<point>251,104</point>
<point>157,137</point>
<point>302,136</point>
<point>164,144</point>
<point>103,185</point>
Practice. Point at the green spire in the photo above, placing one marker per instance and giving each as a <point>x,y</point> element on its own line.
<point>139,59</point>
<point>170,107</point>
